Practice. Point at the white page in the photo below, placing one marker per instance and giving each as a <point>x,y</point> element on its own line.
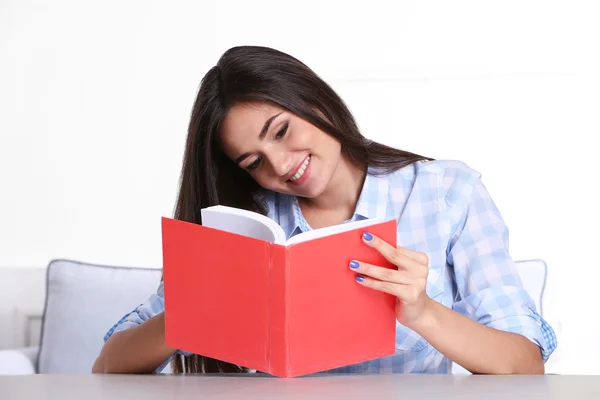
<point>322,232</point>
<point>243,222</point>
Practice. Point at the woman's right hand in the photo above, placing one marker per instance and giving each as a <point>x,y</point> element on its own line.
<point>140,349</point>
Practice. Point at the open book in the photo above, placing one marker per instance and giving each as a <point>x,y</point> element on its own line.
<point>237,290</point>
<point>258,226</point>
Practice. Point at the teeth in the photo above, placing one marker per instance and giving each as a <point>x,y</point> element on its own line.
<point>301,170</point>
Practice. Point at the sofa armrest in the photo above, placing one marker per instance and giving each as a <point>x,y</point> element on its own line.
<point>18,361</point>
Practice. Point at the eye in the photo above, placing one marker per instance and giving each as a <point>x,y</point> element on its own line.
<point>254,164</point>
<point>282,131</point>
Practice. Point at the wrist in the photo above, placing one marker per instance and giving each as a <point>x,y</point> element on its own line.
<point>427,320</point>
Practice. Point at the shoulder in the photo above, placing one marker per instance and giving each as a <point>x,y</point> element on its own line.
<point>452,173</point>
<point>452,180</point>
<point>444,168</point>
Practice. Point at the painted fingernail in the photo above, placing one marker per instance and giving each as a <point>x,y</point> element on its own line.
<point>353,264</point>
<point>360,278</point>
<point>367,236</point>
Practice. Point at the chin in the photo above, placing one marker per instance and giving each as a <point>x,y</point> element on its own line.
<point>311,191</point>
<point>307,192</point>
<point>297,193</point>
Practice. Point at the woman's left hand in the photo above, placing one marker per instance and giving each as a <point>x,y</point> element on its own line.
<point>408,282</point>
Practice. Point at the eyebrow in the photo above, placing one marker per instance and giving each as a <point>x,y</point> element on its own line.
<point>261,136</point>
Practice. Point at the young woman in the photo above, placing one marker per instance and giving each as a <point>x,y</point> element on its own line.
<point>268,135</point>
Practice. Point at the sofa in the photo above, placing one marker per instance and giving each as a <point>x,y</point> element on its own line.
<point>84,300</point>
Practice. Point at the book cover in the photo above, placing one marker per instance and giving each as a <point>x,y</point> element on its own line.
<point>286,310</point>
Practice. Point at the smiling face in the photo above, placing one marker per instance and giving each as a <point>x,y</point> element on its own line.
<point>281,151</point>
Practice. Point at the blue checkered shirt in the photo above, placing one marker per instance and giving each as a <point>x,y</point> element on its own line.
<point>443,209</point>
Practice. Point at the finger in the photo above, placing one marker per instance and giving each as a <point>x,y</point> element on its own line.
<point>418,256</point>
<point>380,273</point>
<point>405,293</point>
<point>391,253</point>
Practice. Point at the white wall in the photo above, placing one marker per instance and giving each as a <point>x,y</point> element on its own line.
<point>95,99</point>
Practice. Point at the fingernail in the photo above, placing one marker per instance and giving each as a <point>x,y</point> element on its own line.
<point>353,264</point>
<point>360,278</point>
<point>367,236</point>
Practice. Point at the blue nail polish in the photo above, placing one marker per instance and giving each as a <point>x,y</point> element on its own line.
<point>367,236</point>
<point>360,278</point>
<point>353,264</point>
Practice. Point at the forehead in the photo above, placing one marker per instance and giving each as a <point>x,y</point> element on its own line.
<point>242,125</point>
<point>247,118</point>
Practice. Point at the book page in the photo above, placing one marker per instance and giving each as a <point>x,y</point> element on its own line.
<point>330,230</point>
<point>243,222</point>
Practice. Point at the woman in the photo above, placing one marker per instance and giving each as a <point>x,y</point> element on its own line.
<point>268,135</point>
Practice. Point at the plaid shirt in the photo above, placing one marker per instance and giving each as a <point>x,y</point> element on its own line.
<point>443,209</point>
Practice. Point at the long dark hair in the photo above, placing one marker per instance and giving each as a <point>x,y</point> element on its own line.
<point>208,177</point>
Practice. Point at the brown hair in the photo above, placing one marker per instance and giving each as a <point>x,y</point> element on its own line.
<point>208,177</point>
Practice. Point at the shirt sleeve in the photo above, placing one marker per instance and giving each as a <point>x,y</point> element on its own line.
<point>488,284</point>
<point>153,306</point>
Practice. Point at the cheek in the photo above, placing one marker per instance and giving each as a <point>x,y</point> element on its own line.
<point>264,180</point>
<point>303,137</point>
<point>325,146</point>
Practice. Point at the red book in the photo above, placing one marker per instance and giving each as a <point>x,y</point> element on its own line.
<point>237,291</point>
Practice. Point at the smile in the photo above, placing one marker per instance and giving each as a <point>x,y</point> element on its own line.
<point>301,170</point>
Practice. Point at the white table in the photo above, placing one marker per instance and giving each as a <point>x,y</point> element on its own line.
<point>207,387</point>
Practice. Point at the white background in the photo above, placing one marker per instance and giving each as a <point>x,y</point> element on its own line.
<point>95,99</point>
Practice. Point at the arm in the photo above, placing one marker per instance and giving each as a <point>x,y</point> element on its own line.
<point>478,348</point>
<point>136,344</point>
<point>494,326</point>
<point>506,334</point>
<point>140,349</point>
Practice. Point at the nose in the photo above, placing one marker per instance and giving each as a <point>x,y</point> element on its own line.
<point>280,162</point>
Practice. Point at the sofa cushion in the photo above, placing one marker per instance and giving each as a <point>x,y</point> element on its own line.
<point>83,301</point>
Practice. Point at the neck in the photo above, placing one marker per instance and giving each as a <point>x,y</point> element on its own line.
<point>338,202</point>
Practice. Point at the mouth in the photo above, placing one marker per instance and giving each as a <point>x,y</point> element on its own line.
<point>300,170</point>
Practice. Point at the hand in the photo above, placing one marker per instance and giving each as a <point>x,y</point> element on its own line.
<point>407,283</point>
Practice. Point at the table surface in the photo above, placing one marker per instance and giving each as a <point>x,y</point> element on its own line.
<point>380,386</point>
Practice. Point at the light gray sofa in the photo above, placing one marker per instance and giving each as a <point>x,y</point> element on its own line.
<point>84,300</point>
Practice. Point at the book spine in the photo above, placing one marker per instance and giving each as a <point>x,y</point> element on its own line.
<point>279,312</point>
